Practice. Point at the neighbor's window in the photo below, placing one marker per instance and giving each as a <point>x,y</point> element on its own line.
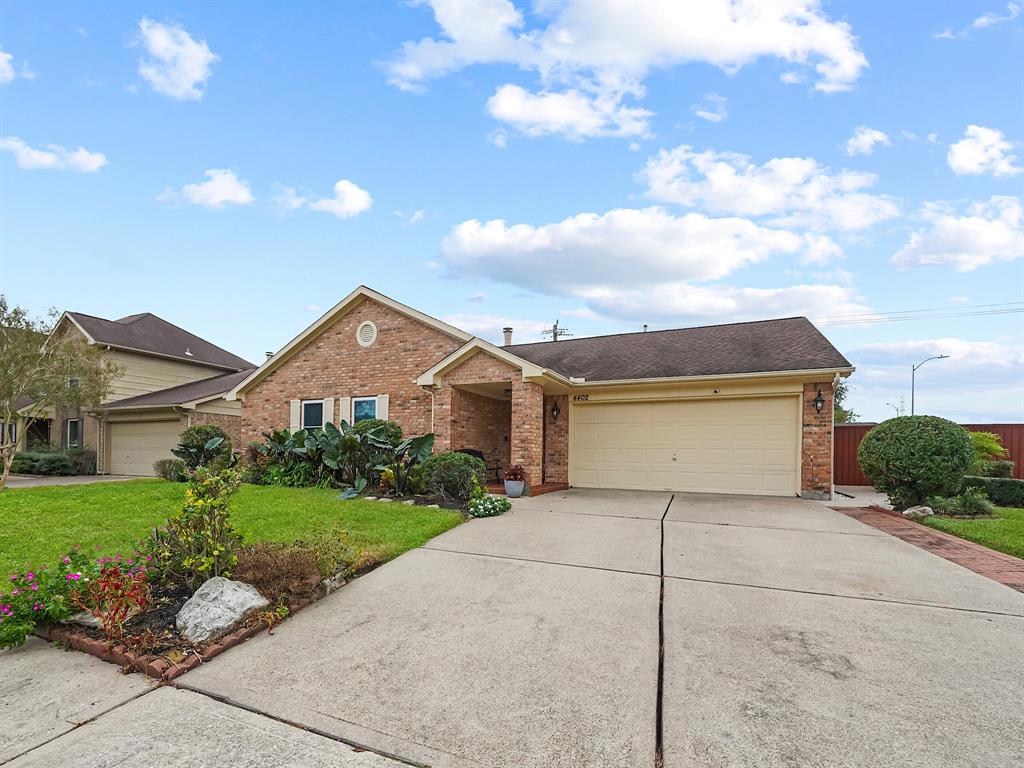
<point>312,414</point>
<point>7,433</point>
<point>73,383</point>
<point>74,433</point>
<point>363,408</point>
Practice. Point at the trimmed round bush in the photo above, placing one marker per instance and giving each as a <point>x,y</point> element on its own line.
<point>452,475</point>
<point>392,431</point>
<point>910,458</point>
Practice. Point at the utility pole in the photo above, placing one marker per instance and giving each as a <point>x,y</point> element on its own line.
<point>913,375</point>
<point>555,332</point>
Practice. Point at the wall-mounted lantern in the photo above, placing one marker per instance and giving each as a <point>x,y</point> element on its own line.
<point>819,402</point>
<point>555,410</point>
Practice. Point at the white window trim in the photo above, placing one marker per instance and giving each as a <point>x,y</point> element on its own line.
<point>67,432</point>
<point>302,414</point>
<point>355,400</point>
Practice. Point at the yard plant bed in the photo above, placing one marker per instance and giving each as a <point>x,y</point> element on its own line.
<point>1003,531</point>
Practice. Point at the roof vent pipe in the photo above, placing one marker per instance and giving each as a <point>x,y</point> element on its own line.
<point>645,327</point>
<point>507,330</point>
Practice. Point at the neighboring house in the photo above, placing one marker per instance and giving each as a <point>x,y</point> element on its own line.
<point>738,408</point>
<point>171,379</point>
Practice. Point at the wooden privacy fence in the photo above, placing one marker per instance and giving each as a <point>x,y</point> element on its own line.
<point>848,437</point>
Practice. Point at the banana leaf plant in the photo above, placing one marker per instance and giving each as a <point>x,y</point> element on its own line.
<point>406,455</point>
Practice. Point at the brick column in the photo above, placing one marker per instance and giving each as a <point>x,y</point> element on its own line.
<point>556,440</point>
<point>816,443</point>
<point>528,429</point>
<point>443,418</point>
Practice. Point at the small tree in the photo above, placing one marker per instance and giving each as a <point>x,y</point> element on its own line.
<point>39,372</point>
<point>842,415</point>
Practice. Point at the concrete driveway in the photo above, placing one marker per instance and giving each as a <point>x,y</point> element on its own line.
<point>793,635</point>
<point>45,481</point>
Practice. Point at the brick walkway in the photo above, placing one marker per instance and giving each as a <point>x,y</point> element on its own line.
<point>997,566</point>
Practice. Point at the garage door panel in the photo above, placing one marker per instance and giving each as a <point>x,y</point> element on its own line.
<point>135,446</point>
<point>728,446</point>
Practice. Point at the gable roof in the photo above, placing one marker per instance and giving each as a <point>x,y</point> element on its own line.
<point>530,370</point>
<point>150,334</point>
<point>182,394</point>
<point>353,299</point>
<point>765,346</point>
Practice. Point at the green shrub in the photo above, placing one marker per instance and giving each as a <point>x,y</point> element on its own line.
<point>392,431</point>
<point>42,463</point>
<point>451,475</point>
<point>910,458</point>
<point>83,461</point>
<point>199,542</point>
<point>171,469</point>
<point>971,503</point>
<point>1002,491</point>
<point>204,445</point>
<point>987,446</point>
<point>998,468</point>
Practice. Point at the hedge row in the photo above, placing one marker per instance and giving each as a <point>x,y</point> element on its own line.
<point>1003,491</point>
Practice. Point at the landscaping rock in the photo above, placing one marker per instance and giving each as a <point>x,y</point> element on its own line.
<point>409,502</point>
<point>334,582</point>
<point>216,607</point>
<point>916,513</point>
<point>85,619</point>
<point>433,506</point>
<point>370,498</point>
<point>382,500</point>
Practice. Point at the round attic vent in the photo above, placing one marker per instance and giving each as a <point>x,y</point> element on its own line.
<point>366,333</point>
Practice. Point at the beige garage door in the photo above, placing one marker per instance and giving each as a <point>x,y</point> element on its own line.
<point>134,446</point>
<point>715,446</point>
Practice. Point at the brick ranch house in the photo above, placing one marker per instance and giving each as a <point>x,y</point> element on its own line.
<point>738,408</point>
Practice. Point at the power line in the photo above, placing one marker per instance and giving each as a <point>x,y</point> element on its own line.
<point>876,320</point>
<point>930,309</point>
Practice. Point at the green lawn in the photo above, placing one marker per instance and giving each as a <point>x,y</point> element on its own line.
<point>1004,532</point>
<point>37,525</point>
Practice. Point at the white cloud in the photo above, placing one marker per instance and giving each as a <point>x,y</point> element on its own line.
<point>476,297</point>
<point>946,34</point>
<point>990,19</point>
<point>498,138</point>
<point>178,66</point>
<point>221,188</point>
<point>959,300</point>
<point>571,113</point>
<point>794,191</point>
<point>7,73</point>
<point>864,141</point>
<point>590,57</point>
<point>584,313</point>
<point>932,138</point>
<point>349,200</point>
<point>792,78</point>
<point>983,150</point>
<point>315,309</point>
<point>988,231</point>
<point>409,219</point>
<point>287,200</point>
<point>54,157</point>
<point>711,108</point>
<point>489,327</point>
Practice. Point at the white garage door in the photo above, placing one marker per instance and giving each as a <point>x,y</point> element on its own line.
<point>714,446</point>
<point>134,446</point>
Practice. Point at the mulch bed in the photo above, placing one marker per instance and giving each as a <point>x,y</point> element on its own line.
<point>420,501</point>
<point>998,566</point>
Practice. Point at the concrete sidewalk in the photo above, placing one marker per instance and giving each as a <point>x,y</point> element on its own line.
<point>45,481</point>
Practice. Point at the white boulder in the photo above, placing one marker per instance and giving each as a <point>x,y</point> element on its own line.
<point>216,608</point>
<point>916,513</point>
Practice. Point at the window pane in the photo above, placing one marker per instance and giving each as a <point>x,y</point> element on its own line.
<point>364,409</point>
<point>73,430</point>
<point>313,415</point>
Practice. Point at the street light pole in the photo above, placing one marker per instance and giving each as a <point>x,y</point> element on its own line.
<point>913,376</point>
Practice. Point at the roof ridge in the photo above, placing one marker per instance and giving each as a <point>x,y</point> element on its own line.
<point>663,330</point>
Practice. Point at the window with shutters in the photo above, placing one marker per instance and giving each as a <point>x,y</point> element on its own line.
<point>363,408</point>
<point>312,414</point>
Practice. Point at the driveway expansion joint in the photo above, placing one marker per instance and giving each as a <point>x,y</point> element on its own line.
<point>864,598</point>
<point>776,528</point>
<point>659,707</point>
<point>538,561</point>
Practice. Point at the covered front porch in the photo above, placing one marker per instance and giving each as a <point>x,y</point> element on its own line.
<point>485,403</point>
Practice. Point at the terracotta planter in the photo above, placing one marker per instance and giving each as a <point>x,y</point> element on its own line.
<point>514,488</point>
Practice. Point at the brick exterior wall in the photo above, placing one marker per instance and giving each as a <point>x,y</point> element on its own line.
<point>232,425</point>
<point>816,443</point>
<point>334,365</point>
<point>483,423</point>
<point>556,440</point>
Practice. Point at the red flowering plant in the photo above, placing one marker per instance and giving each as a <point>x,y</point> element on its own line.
<point>42,596</point>
<point>120,588</point>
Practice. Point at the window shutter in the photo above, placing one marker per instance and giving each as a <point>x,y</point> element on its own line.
<point>328,410</point>
<point>295,420</point>
<point>345,410</point>
<point>382,406</point>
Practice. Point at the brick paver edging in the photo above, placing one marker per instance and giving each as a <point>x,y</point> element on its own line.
<point>157,667</point>
<point>998,566</point>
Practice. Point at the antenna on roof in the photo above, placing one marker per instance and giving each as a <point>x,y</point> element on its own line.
<point>555,332</point>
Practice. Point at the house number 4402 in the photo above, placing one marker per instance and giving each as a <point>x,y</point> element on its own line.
<point>577,398</point>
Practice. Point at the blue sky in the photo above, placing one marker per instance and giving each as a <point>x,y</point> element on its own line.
<point>237,169</point>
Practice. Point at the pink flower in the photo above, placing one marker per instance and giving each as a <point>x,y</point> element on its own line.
<point>16,592</point>
<point>73,576</point>
<point>67,559</point>
<point>29,576</point>
<point>35,586</point>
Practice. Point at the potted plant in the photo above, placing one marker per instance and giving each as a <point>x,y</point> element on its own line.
<point>515,479</point>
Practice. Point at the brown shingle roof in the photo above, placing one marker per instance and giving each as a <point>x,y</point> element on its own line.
<point>148,333</point>
<point>182,393</point>
<point>790,344</point>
